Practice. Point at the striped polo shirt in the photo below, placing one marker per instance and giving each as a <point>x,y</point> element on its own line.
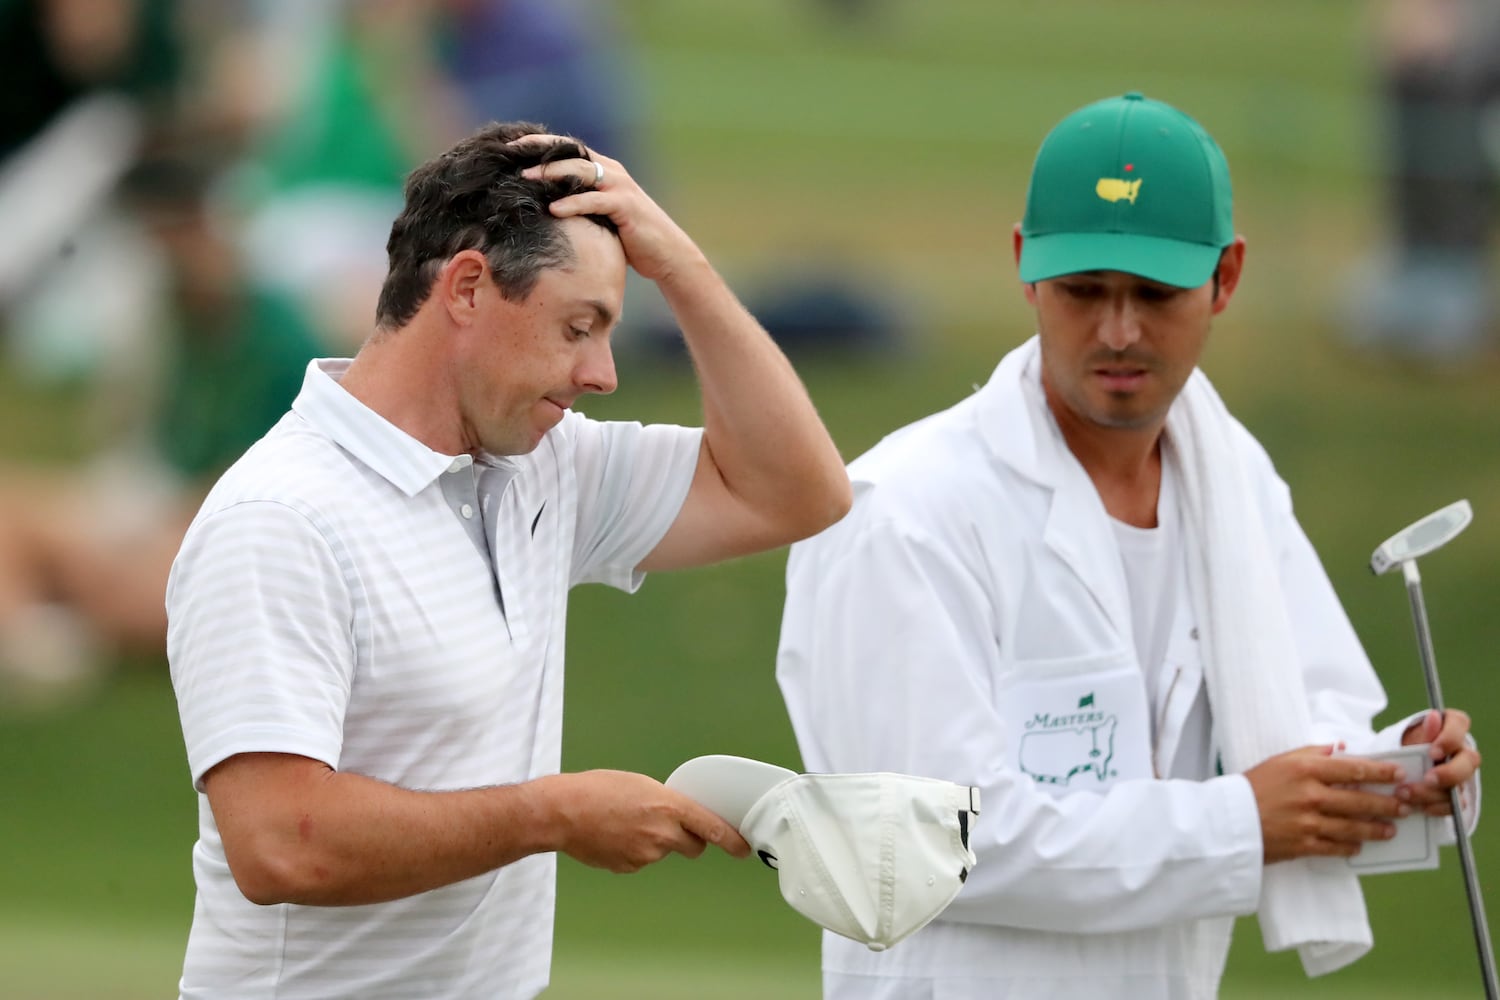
<point>347,594</point>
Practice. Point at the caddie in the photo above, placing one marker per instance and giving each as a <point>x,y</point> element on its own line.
<point>1083,590</point>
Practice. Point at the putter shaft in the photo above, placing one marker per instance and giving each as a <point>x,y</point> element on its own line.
<point>1465,851</point>
<point>1413,579</point>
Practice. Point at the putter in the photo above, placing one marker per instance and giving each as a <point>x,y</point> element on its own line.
<point>1402,549</point>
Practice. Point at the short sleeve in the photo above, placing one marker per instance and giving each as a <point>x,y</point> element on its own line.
<point>632,481</point>
<point>259,637</point>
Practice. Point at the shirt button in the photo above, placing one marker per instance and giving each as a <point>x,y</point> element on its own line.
<point>466,511</point>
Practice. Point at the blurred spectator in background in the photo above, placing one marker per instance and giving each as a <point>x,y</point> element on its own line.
<point>84,553</point>
<point>56,52</point>
<point>349,96</point>
<point>1427,298</point>
<point>86,84</point>
<point>557,60</point>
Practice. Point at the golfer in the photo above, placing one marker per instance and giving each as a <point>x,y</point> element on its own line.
<point>1083,589</point>
<point>367,615</point>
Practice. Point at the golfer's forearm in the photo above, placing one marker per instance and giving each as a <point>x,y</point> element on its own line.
<point>767,441</point>
<point>359,841</point>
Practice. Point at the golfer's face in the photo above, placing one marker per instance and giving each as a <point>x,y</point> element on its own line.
<point>1116,347</point>
<point>537,356</point>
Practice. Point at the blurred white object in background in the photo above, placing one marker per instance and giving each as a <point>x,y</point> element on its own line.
<point>51,187</point>
<point>76,278</point>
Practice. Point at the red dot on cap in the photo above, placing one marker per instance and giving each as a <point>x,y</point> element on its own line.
<point>1129,167</point>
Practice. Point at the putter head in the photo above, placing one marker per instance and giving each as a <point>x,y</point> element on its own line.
<point>1431,532</point>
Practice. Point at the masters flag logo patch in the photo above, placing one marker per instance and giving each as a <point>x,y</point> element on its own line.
<point>1056,748</point>
<point>1115,189</point>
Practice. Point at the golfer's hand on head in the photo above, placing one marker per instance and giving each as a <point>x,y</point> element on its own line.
<point>655,246</point>
<point>1308,807</point>
<point>1456,760</point>
<point>624,821</point>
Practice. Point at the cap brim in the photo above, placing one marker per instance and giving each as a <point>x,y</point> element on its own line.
<point>727,785</point>
<point>1171,262</point>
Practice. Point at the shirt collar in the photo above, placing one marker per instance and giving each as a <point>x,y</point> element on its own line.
<point>1014,418</point>
<point>395,455</point>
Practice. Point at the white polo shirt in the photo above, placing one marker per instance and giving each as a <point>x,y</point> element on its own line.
<point>350,595</point>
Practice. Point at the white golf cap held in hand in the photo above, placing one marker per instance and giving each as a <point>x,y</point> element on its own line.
<point>874,857</point>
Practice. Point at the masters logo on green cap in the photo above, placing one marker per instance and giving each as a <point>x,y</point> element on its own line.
<point>1128,184</point>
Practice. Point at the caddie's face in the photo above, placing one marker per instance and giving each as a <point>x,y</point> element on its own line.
<point>1117,348</point>
<point>532,359</point>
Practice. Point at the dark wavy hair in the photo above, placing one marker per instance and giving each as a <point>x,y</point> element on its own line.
<point>473,197</point>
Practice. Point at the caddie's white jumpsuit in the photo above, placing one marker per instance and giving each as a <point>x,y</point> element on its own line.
<point>969,620</point>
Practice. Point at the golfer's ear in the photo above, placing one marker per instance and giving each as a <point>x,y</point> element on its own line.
<point>460,283</point>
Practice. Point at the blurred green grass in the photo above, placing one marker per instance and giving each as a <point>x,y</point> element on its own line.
<point>122,965</point>
<point>899,146</point>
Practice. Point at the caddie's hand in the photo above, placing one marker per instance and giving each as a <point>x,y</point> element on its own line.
<point>624,821</point>
<point>654,245</point>
<point>1456,760</point>
<point>1307,809</point>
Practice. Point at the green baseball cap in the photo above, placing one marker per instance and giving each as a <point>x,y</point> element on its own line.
<point>1128,184</point>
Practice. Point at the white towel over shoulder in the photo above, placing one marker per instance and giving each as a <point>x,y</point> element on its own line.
<point>1252,671</point>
